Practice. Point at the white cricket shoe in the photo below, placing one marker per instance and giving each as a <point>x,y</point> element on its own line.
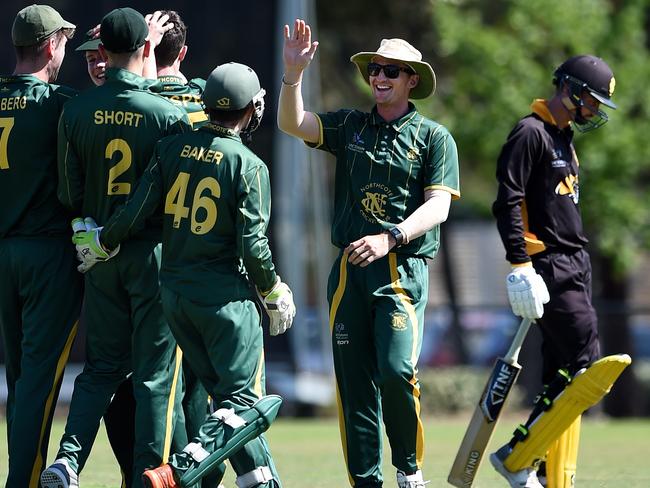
<point>525,478</point>
<point>410,481</point>
<point>59,475</point>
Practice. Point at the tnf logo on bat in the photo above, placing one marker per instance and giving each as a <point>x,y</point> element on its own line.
<point>398,320</point>
<point>501,381</point>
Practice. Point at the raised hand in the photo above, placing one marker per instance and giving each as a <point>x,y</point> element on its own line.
<point>158,25</point>
<point>298,50</point>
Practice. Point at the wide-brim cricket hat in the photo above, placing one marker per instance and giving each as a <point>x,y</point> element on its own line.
<point>402,51</point>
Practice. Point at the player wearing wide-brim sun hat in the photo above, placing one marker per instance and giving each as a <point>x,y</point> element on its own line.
<point>402,51</point>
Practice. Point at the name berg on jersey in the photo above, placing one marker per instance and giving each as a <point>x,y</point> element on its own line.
<point>13,103</point>
<point>117,117</point>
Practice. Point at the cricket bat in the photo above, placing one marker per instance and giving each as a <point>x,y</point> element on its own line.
<point>480,429</point>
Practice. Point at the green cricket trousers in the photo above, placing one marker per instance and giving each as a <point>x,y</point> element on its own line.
<point>126,334</point>
<point>40,301</point>
<point>376,322</point>
<point>223,344</point>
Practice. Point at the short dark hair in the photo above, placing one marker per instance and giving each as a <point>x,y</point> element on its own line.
<point>172,41</point>
<point>34,51</point>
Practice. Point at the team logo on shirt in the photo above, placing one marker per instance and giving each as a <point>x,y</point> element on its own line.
<point>375,197</point>
<point>357,144</point>
<point>398,320</point>
<point>413,153</point>
<point>340,334</point>
<point>569,186</point>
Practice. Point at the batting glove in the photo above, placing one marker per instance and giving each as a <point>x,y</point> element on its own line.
<point>280,307</point>
<point>527,292</point>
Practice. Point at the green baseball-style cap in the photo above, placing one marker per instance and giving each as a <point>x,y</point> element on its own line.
<point>90,43</point>
<point>36,23</point>
<point>230,86</point>
<point>123,30</point>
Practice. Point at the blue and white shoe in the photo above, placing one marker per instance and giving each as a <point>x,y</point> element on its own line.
<point>525,478</point>
<point>59,475</point>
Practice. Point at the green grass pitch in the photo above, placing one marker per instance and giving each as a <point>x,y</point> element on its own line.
<point>308,454</point>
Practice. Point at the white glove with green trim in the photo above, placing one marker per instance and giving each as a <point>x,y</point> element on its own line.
<point>280,307</point>
<point>89,249</point>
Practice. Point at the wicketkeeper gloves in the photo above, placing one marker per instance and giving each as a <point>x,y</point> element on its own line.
<point>280,307</point>
<point>89,250</point>
<point>527,292</point>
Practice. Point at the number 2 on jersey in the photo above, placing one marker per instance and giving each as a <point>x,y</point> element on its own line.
<point>175,203</point>
<point>123,164</point>
<point>6,124</point>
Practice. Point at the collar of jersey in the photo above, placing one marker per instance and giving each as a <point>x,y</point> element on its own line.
<point>540,107</point>
<point>171,79</point>
<point>397,124</point>
<point>221,131</point>
<point>119,74</point>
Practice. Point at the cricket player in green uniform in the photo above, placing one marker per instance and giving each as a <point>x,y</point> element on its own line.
<point>119,418</point>
<point>41,291</point>
<point>215,194</point>
<point>107,136</point>
<point>172,84</point>
<point>396,173</point>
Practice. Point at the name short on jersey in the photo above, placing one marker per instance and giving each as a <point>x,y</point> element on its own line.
<point>117,117</point>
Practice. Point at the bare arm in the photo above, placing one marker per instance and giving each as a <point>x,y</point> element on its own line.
<point>298,52</point>
<point>432,212</point>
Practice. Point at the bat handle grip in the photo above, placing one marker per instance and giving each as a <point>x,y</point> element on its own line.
<point>513,353</point>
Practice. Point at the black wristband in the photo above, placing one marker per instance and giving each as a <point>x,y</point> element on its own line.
<point>397,235</point>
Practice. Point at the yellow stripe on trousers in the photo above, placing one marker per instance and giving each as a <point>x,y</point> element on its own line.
<point>410,310</point>
<point>336,301</point>
<point>50,403</point>
<point>169,427</point>
<point>257,386</point>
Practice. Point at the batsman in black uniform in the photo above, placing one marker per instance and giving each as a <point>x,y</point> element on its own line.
<point>538,217</point>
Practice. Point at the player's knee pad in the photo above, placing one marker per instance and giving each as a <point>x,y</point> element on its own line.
<point>562,458</point>
<point>238,430</point>
<point>256,477</point>
<point>586,389</point>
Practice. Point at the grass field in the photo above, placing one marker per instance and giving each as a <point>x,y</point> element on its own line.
<point>308,454</point>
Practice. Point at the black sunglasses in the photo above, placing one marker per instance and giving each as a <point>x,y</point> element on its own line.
<point>390,70</point>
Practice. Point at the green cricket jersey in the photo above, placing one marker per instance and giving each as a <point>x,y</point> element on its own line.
<point>185,95</point>
<point>216,199</point>
<point>106,138</point>
<point>29,111</point>
<point>382,171</point>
